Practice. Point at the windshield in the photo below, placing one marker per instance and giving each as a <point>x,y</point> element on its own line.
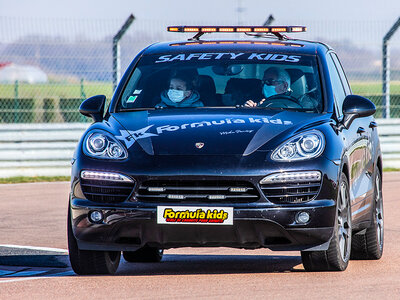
<point>261,80</point>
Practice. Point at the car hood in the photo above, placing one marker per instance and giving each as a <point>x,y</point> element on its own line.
<point>206,131</point>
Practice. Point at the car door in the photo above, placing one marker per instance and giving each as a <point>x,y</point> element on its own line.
<point>358,144</point>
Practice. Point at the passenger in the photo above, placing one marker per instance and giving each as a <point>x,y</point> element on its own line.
<point>181,92</point>
<point>277,82</point>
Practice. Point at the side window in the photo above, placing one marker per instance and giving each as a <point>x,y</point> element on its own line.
<point>341,74</point>
<point>337,87</point>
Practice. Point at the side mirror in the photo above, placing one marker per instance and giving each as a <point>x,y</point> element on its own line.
<point>93,107</point>
<point>356,107</point>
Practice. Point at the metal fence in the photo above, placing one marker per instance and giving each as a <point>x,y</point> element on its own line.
<point>76,58</point>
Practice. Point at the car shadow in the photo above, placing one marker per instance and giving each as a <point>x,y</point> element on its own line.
<point>174,264</point>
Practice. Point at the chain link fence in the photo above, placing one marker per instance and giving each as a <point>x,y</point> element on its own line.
<point>48,66</point>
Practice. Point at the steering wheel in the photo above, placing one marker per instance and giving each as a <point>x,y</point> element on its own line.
<point>281,101</point>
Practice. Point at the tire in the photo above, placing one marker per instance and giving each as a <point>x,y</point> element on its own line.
<point>337,257</point>
<point>369,243</point>
<point>145,254</point>
<point>86,262</point>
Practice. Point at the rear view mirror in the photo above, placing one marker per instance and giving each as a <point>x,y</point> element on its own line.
<point>93,107</point>
<point>356,107</point>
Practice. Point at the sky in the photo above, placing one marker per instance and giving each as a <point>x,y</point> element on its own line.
<point>364,22</point>
<point>212,10</point>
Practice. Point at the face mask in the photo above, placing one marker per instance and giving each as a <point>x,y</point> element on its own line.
<point>175,95</point>
<point>269,90</point>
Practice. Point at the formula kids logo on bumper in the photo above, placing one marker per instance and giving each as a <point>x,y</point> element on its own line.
<point>194,215</point>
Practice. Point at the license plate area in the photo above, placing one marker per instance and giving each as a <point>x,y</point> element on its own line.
<point>194,215</point>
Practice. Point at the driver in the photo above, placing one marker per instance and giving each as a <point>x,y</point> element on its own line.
<point>275,82</point>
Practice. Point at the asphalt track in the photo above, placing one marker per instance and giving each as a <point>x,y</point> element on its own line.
<point>34,265</point>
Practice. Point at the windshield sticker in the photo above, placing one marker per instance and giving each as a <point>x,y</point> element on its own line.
<point>131,99</point>
<point>229,55</point>
<point>129,137</point>
<point>137,92</point>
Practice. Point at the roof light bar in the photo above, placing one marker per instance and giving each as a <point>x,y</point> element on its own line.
<point>263,29</point>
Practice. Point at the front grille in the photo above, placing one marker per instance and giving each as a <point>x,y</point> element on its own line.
<point>197,191</point>
<point>291,192</point>
<point>106,191</point>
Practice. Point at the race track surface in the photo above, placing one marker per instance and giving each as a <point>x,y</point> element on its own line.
<point>34,262</point>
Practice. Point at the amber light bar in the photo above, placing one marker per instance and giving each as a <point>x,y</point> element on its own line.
<point>227,29</point>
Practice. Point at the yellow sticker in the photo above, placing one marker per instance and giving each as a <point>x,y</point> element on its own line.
<point>195,215</point>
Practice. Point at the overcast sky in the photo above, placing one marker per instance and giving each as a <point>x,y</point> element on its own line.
<point>364,22</point>
<point>212,10</point>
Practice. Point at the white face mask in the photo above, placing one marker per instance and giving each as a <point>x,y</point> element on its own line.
<point>175,95</point>
<point>269,90</point>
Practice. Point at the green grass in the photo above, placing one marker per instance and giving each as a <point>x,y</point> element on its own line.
<point>73,90</point>
<point>24,179</point>
<point>391,170</point>
<point>56,90</point>
<point>373,87</point>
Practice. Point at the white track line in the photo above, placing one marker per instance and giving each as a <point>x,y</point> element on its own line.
<point>36,248</point>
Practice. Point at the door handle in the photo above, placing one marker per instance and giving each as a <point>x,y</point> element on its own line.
<point>373,125</point>
<point>360,130</point>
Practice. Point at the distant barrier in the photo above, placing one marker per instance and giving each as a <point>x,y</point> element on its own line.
<point>47,149</point>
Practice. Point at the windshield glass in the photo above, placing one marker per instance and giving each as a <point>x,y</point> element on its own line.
<point>264,80</point>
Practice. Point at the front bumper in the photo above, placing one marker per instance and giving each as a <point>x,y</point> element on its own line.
<point>127,229</point>
<point>132,224</point>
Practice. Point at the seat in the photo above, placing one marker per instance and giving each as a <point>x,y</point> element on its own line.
<point>242,90</point>
<point>298,82</point>
<point>207,90</point>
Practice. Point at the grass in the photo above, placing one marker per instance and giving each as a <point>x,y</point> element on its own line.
<point>24,179</point>
<point>56,90</point>
<point>391,170</point>
<point>73,90</point>
<point>373,87</point>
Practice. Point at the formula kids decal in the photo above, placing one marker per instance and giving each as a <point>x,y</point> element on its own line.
<point>194,215</point>
<point>129,137</point>
<point>228,56</point>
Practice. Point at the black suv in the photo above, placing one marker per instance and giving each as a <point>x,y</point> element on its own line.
<point>245,143</point>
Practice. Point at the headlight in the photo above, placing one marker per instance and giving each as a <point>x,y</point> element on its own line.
<point>303,146</point>
<point>101,144</point>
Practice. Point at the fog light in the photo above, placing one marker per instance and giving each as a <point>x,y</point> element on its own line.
<point>302,217</point>
<point>96,216</point>
<point>216,197</point>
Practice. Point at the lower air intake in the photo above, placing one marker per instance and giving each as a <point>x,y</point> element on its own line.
<point>106,191</point>
<point>298,192</point>
<point>197,191</point>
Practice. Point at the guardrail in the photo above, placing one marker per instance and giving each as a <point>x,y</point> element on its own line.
<point>38,149</point>
<point>46,149</point>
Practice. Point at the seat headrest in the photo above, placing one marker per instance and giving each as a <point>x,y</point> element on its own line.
<point>298,82</point>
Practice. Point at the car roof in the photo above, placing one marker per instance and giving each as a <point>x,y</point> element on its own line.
<point>240,45</point>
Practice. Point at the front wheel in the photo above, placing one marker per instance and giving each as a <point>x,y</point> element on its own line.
<point>337,257</point>
<point>85,262</point>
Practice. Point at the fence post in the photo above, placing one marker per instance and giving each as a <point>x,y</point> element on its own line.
<point>117,51</point>
<point>386,70</point>
<point>16,104</point>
